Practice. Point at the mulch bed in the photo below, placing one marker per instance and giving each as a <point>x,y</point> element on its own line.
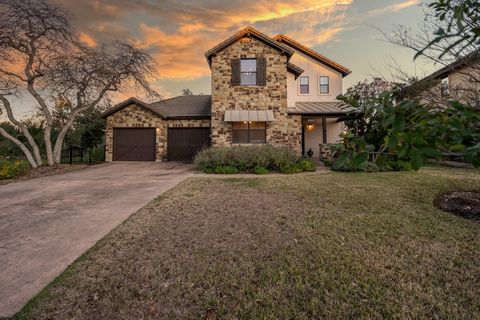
<point>465,204</point>
<point>45,171</point>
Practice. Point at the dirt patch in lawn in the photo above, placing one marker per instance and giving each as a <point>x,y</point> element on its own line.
<point>45,171</point>
<point>465,204</point>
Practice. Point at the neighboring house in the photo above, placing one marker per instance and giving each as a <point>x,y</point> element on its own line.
<point>264,90</point>
<point>459,80</point>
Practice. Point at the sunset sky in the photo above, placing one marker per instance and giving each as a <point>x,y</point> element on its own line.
<point>178,33</point>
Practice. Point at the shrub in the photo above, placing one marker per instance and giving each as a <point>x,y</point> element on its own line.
<point>347,166</point>
<point>248,158</point>
<point>11,169</point>
<point>260,170</point>
<point>226,170</point>
<point>306,165</point>
<point>400,165</point>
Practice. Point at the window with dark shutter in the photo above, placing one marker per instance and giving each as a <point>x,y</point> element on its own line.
<point>235,77</point>
<point>261,71</point>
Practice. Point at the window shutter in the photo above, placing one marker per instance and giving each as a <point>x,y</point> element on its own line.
<point>261,71</point>
<point>235,77</point>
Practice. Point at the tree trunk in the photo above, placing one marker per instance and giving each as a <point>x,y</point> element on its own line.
<point>24,149</point>
<point>57,150</point>
<point>48,126</point>
<point>23,128</point>
<point>48,144</point>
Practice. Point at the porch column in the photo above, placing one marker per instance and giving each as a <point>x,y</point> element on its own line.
<point>324,128</point>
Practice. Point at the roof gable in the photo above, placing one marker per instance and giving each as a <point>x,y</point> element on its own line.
<point>248,32</point>
<point>128,102</point>
<point>312,54</point>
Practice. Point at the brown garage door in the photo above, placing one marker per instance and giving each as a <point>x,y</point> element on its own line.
<point>134,144</point>
<point>184,143</point>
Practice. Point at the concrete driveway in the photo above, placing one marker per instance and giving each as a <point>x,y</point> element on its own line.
<point>46,223</point>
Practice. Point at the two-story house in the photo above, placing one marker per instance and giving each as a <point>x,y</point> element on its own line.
<point>264,90</point>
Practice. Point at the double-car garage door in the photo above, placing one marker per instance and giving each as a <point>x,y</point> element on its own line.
<point>139,144</point>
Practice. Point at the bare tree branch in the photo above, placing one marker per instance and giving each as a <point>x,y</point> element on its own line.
<point>58,65</point>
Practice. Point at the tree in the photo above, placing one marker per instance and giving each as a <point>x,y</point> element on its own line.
<point>40,55</point>
<point>363,97</point>
<point>459,25</point>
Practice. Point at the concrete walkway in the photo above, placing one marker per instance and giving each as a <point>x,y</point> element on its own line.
<point>46,223</point>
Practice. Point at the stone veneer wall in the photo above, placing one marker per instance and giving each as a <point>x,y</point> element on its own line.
<point>285,130</point>
<point>134,116</point>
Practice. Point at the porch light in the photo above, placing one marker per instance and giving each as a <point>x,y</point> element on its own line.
<point>158,130</point>
<point>310,124</point>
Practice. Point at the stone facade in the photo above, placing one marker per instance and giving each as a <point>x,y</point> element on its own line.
<point>134,116</point>
<point>285,130</point>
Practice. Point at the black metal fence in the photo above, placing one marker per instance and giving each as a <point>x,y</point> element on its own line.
<point>78,155</point>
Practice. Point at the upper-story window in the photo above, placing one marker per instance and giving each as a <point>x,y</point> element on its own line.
<point>304,85</point>
<point>324,84</point>
<point>444,87</point>
<point>248,72</point>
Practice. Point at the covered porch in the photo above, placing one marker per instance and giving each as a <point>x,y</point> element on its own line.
<point>322,125</point>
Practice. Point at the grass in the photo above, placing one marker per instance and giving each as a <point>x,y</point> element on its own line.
<point>322,245</point>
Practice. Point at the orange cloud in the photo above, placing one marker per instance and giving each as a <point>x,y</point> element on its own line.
<point>88,40</point>
<point>177,55</point>
<point>312,37</point>
<point>393,8</point>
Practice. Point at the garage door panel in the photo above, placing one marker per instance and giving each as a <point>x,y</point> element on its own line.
<point>134,144</point>
<point>184,143</point>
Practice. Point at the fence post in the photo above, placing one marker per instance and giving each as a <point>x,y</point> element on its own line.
<point>90,157</point>
<point>70,155</point>
<point>81,155</point>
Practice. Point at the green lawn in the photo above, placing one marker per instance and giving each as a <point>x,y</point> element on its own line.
<point>316,245</point>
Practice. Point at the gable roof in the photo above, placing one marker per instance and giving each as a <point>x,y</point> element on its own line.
<point>181,107</point>
<point>126,103</point>
<point>248,32</point>
<point>312,54</point>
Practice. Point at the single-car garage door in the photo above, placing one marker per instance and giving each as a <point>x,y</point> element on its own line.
<point>184,143</point>
<point>134,144</point>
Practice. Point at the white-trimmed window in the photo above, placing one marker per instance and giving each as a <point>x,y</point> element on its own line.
<point>304,85</point>
<point>324,84</point>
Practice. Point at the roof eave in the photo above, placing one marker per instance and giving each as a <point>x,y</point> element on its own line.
<point>323,114</point>
<point>311,53</point>
<point>125,104</point>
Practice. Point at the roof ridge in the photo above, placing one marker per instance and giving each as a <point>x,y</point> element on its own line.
<point>181,96</point>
